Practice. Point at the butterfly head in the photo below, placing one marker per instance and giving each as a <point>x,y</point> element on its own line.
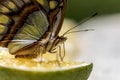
<point>62,39</point>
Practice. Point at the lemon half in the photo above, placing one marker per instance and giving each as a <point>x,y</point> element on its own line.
<point>25,69</point>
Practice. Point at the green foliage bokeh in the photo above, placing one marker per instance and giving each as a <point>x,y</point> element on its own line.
<point>79,9</point>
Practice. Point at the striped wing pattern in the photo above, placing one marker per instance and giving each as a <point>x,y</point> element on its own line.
<point>24,22</point>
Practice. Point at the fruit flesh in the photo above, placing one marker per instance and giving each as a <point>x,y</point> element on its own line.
<point>26,64</point>
<point>24,69</point>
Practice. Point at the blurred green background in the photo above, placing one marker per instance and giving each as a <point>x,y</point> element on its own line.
<point>79,9</point>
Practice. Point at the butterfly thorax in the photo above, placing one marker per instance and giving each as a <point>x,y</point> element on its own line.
<point>50,44</point>
<point>56,42</point>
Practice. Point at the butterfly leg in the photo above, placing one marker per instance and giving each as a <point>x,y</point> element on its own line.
<point>60,53</point>
<point>57,59</point>
<point>42,49</point>
<point>59,56</point>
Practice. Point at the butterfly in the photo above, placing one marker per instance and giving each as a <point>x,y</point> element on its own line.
<point>29,28</point>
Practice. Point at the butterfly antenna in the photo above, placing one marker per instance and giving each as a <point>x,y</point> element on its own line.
<point>80,31</point>
<point>84,20</point>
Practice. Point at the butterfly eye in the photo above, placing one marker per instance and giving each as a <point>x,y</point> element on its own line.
<point>53,4</point>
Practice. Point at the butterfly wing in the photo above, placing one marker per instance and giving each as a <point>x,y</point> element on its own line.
<point>32,30</point>
<point>26,21</point>
<point>12,18</point>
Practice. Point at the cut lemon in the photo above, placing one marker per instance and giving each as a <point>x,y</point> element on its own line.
<point>24,69</point>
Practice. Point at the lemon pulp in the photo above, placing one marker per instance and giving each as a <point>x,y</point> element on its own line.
<point>8,60</point>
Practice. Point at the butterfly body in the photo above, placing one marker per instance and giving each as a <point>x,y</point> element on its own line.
<point>32,26</point>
